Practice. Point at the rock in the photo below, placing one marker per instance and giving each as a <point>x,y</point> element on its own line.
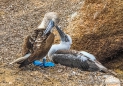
<point>112,81</point>
<point>10,82</point>
<point>34,73</point>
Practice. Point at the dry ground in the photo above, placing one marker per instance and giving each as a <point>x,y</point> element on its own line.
<point>18,19</point>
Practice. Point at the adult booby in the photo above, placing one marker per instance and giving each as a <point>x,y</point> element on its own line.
<point>61,53</point>
<point>37,45</point>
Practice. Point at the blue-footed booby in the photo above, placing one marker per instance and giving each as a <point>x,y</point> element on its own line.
<point>61,53</point>
<point>37,45</point>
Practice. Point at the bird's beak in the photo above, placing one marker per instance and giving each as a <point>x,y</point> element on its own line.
<point>61,33</point>
<point>49,27</point>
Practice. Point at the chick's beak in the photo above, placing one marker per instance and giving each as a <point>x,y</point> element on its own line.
<point>61,33</point>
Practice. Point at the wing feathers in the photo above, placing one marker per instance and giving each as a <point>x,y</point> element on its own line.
<point>72,52</point>
<point>72,60</point>
<point>40,47</point>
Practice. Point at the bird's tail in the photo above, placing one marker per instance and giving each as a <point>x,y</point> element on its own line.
<point>104,69</point>
<point>20,59</point>
<point>24,63</point>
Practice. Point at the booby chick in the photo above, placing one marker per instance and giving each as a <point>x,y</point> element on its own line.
<point>65,43</point>
<point>61,53</point>
<point>37,45</point>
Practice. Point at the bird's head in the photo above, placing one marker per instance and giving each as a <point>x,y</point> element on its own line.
<point>50,20</point>
<point>65,38</point>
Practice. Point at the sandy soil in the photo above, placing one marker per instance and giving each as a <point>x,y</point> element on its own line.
<point>18,19</point>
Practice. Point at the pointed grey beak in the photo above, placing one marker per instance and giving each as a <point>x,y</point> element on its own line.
<point>49,27</point>
<point>63,36</point>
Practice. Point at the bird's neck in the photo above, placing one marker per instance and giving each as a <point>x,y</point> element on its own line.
<point>64,45</point>
<point>56,47</point>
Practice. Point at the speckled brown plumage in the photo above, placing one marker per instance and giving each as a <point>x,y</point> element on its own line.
<point>36,44</point>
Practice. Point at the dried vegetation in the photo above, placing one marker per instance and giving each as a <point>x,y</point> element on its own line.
<point>98,29</point>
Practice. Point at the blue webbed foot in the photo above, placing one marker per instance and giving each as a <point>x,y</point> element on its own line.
<point>38,63</point>
<point>49,64</point>
<point>43,64</point>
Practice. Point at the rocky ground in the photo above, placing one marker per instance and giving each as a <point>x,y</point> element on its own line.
<point>18,19</point>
